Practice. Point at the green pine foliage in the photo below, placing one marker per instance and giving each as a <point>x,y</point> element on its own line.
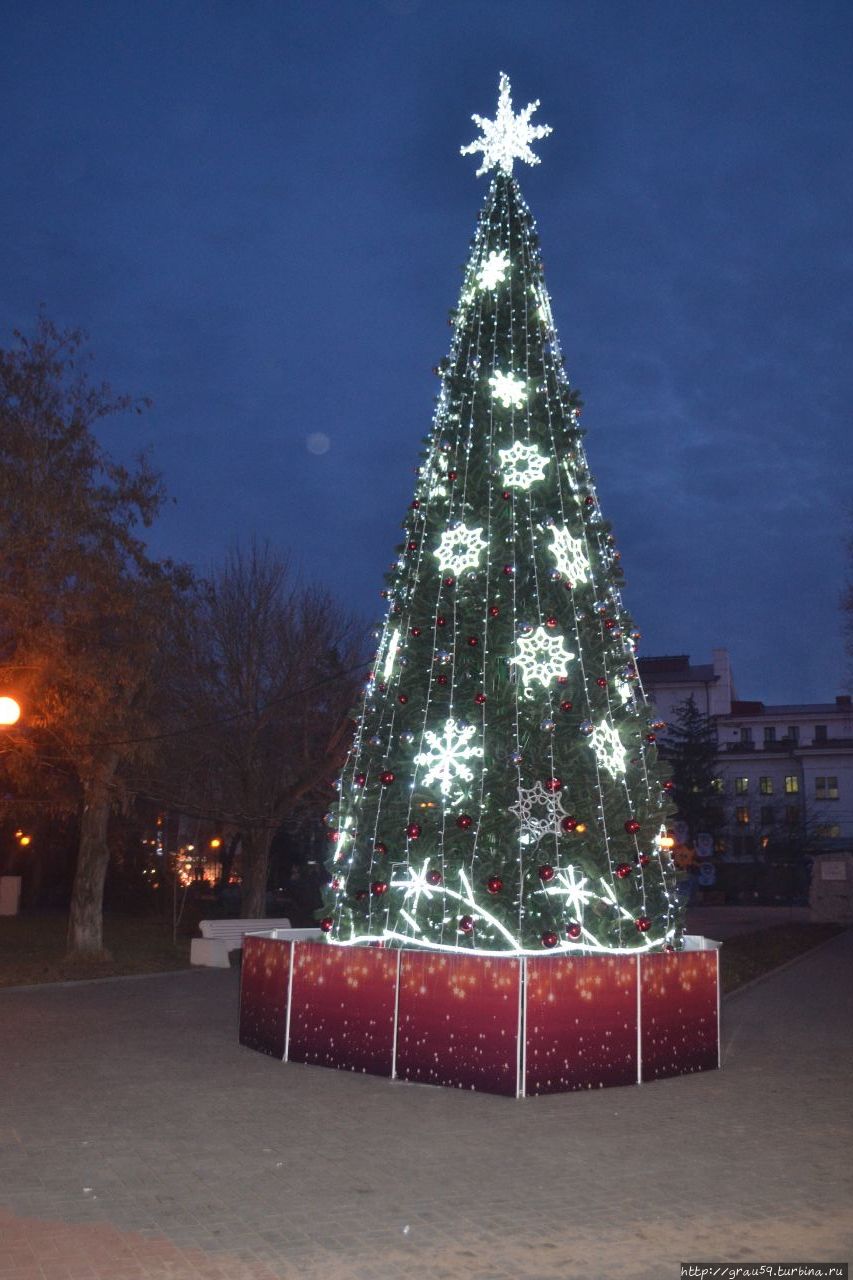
<point>691,752</point>
<point>502,793</point>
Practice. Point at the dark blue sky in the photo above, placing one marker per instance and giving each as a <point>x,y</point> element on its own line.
<point>259,213</point>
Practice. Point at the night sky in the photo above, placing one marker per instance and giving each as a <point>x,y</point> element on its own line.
<point>259,214</point>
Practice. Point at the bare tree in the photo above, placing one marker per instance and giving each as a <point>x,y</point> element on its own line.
<point>261,678</point>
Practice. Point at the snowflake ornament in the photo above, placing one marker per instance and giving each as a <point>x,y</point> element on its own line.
<point>542,657</point>
<point>569,555</point>
<point>534,827</point>
<point>568,884</point>
<point>493,270</point>
<point>609,748</point>
<point>460,549</point>
<point>511,391</point>
<point>508,136</point>
<point>446,757</point>
<point>522,465</point>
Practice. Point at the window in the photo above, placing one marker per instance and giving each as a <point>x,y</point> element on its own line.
<point>793,732</point>
<point>718,786</point>
<point>742,815</point>
<point>792,814</point>
<point>741,786</point>
<point>830,831</point>
<point>769,733</point>
<point>765,786</point>
<point>746,735</point>
<point>826,788</point>
<point>792,784</point>
<point>820,733</point>
<point>767,815</point>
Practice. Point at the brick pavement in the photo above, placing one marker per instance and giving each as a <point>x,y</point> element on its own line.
<point>137,1140</point>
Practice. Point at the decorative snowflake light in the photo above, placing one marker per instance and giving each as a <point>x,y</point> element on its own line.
<point>609,748</point>
<point>493,270</point>
<point>542,657</point>
<point>569,555</point>
<point>446,756</point>
<point>569,885</point>
<point>533,828</point>
<point>460,549</point>
<point>511,391</point>
<point>508,136</point>
<point>522,465</point>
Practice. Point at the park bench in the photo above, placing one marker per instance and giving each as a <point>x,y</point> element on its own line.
<point>219,937</point>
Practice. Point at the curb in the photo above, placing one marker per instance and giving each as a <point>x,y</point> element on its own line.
<point>780,968</point>
<point>88,982</point>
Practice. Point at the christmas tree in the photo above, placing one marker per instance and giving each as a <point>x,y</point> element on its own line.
<point>501,794</point>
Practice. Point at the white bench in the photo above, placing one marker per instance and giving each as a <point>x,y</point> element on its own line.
<point>218,937</point>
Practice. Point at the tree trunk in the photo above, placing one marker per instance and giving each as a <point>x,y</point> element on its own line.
<point>86,917</point>
<point>255,864</point>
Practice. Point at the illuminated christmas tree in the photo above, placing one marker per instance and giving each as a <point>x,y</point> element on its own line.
<point>501,794</point>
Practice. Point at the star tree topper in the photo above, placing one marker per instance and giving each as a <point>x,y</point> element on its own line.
<point>508,136</point>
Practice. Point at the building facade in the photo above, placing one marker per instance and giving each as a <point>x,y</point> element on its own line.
<point>784,772</point>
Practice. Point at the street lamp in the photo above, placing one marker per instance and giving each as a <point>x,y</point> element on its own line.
<point>10,712</point>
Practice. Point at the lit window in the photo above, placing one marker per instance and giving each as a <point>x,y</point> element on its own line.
<point>765,786</point>
<point>742,815</point>
<point>826,788</point>
<point>718,786</point>
<point>829,831</point>
<point>820,733</point>
<point>741,786</point>
<point>769,733</point>
<point>792,784</point>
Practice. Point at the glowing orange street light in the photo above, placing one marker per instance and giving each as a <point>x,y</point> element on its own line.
<point>10,712</point>
<point>25,840</point>
<point>216,843</point>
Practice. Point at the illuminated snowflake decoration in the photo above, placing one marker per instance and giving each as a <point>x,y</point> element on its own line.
<point>542,657</point>
<point>435,479</point>
<point>625,692</point>
<point>415,886</point>
<point>493,270</point>
<point>511,391</point>
<point>609,748</point>
<point>446,758</point>
<point>522,465</point>
<point>460,549</point>
<point>569,555</point>
<point>546,821</point>
<point>568,884</point>
<point>508,137</point>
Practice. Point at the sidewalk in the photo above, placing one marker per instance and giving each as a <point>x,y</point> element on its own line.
<point>138,1140</point>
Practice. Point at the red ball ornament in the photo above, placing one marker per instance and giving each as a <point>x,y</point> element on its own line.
<point>609,624</point>
<point>554,784</point>
<point>551,622</point>
<point>669,947</point>
<point>546,873</point>
<point>360,779</point>
<point>569,585</point>
<point>464,821</point>
<point>403,698</point>
<point>466,924</point>
<point>509,570</point>
<point>565,705</point>
<point>333,836</point>
<point>506,495</point>
<point>473,641</point>
<point>650,737</point>
<point>643,924</point>
<point>494,884</point>
<point>416,505</point>
<point>643,860</point>
<point>589,500</point>
<point>569,823</point>
<point>601,682</point>
<point>632,826</point>
<point>448,582</point>
<point>451,475</point>
<point>669,785</point>
<point>494,611</point>
<point>378,888</point>
<point>380,848</point>
<point>326,924</point>
<point>413,830</point>
<point>382,687</point>
<point>415,632</point>
<point>573,930</point>
<point>549,938</point>
<point>623,870</point>
<point>387,778</point>
<point>335,884</point>
<point>433,877</point>
<point>411,546</point>
<point>360,895</point>
<point>441,621</point>
<point>442,679</point>
<point>562,680</point>
<point>479,698</point>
